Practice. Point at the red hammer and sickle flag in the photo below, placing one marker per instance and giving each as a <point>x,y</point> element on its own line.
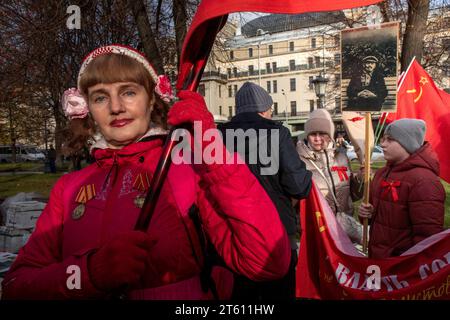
<point>419,98</point>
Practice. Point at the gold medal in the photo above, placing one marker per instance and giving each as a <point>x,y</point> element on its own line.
<point>78,212</point>
<point>139,201</point>
<point>86,193</point>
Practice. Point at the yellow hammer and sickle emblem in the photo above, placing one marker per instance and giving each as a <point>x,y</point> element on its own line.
<point>319,221</point>
<point>423,81</point>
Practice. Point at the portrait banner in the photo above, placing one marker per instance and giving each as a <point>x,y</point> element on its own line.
<point>369,68</point>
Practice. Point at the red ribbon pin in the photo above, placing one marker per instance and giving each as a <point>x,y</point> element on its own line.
<point>342,172</point>
<point>391,187</point>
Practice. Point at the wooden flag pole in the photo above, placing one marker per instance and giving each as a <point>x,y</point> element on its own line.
<point>366,178</point>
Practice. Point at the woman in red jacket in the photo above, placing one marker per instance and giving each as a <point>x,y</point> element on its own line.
<point>406,196</point>
<point>84,245</point>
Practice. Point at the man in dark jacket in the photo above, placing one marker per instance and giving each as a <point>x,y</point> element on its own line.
<point>367,89</point>
<point>406,196</point>
<point>269,152</point>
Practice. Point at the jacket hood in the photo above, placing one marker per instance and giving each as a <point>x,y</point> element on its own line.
<point>100,143</point>
<point>102,153</point>
<point>425,157</point>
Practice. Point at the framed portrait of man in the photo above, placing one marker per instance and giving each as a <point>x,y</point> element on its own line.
<point>369,68</point>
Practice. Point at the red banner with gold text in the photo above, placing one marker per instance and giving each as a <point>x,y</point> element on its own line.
<point>330,267</point>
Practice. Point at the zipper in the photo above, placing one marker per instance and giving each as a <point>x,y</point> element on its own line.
<point>109,201</point>
<point>375,209</point>
<point>331,178</point>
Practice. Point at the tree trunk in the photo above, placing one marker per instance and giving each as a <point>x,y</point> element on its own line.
<point>384,9</point>
<point>12,135</point>
<point>415,31</point>
<point>180,21</point>
<point>59,126</point>
<point>146,34</point>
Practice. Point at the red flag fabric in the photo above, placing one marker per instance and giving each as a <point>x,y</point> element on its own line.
<point>211,16</point>
<point>420,98</point>
<point>386,118</point>
<point>329,266</point>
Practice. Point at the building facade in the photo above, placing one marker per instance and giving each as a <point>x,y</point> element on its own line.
<point>283,54</point>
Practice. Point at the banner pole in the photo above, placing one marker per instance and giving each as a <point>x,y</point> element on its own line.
<point>366,179</point>
<point>377,135</point>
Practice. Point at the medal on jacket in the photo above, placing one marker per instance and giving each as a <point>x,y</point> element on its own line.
<point>141,183</point>
<point>139,201</point>
<point>85,194</point>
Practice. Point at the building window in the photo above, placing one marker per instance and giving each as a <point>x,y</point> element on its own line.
<point>270,49</point>
<point>319,105</point>
<point>230,92</point>
<point>337,79</point>
<point>275,108</point>
<point>230,111</point>
<point>311,84</point>
<point>311,105</point>
<point>250,70</point>
<point>220,91</point>
<point>268,67</point>
<point>275,86</point>
<point>313,42</point>
<point>310,63</point>
<point>291,46</point>
<point>337,58</point>
<point>317,62</point>
<point>229,72</point>
<point>337,41</point>
<point>268,86</point>
<point>220,110</point>
<point>250,52</point>
<point>235,74</point>
<point>291,65</point>
<point>235,89</point>
<point>292,82</point>
<point>231,55</point>
<point>274,67</point>
<point>201,89</point>
<point>337,104</point>
<point>293,108</point>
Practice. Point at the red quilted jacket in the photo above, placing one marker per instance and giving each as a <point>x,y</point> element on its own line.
<point>409,204</point>
<point>236,213</point>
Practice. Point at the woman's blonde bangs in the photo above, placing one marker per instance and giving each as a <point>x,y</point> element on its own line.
<point>112,68</point>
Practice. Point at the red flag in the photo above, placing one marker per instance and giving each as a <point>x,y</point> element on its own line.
<point>420,98</point>
<point>329,266</point>
<point>387,117</point>
<point>211,16</point>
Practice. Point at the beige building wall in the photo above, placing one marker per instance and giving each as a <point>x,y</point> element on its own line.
<point>232,62</point>
<point>261,54</point>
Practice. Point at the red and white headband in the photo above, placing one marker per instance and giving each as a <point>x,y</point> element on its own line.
<point>74,106</point>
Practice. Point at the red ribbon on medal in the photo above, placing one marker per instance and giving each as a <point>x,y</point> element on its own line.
<point>142,182</point>
<point>86,193</point>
